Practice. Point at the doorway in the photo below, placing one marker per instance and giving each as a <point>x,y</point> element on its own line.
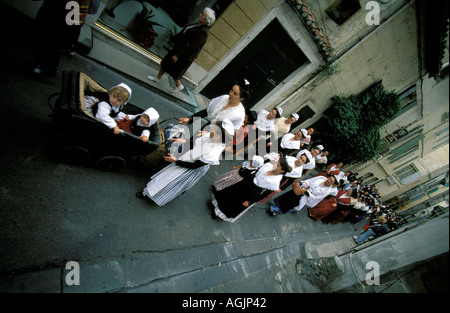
<point>265,62</point>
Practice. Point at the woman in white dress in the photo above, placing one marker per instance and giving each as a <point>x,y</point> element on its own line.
<point>265,121</point>
<point>296,165</point>
<point>322,158</point>
<point>265,129</point>
<point>315,151</point>
<point>283,124</point>
<point>307,193</point>
<point>238,173</point>
<point>225,107</point>
<point>187,170</point>
<point>232,202</point>
<point>291,143</point>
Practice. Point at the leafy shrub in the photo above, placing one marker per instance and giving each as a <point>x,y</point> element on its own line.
<point>355,122</point>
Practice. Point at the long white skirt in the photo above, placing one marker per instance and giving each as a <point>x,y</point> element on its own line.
<point>172,181</point>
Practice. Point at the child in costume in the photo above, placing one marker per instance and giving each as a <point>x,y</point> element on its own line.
<point>107,110</point>
<point>140,124</point>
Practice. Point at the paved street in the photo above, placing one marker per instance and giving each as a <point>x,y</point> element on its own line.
<point>54,213</point>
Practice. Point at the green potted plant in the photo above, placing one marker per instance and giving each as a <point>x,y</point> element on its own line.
<point>143,32</point>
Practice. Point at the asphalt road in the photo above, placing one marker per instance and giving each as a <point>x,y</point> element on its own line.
<point>51,211</point>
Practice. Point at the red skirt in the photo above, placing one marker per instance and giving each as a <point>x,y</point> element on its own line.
<point>125,125</point>
<point>322,209</point>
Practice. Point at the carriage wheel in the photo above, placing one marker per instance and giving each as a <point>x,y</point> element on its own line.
<point>110,163</point>
<point>74,155</point>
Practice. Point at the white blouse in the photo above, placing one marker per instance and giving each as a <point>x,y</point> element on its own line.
<point>312,162</point>
<point>296,171</point>
<point>263,180</point>
<point>263,123</point>
<point>316,191</point>
<point>321,159</point>
<point>103,114</point>
<point>204,150</point>
<point>216,113</point>
<point>281,128</point>
<point>287,143</point>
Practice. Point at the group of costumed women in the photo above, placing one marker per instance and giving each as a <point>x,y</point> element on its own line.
<point>226,114</point>
<point>256,180</point>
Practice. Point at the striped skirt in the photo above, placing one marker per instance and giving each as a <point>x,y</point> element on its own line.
<point>227,179</point>
<point>172,181</point>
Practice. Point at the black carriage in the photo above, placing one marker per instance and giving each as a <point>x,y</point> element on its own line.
<point>80,139</point>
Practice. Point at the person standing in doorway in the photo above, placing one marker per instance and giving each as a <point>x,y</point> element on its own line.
<point>56,26</point>
<point>187,45</point>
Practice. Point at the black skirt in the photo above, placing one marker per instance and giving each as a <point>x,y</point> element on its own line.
<point>176,70</point>
<point>287,201</point>
<point>230,199</point>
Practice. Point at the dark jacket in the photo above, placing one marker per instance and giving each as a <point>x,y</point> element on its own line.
<point>380,229</point>
<point>188,43</point>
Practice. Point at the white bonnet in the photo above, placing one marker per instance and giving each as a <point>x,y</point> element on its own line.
<point>257,161</point>
<point>127,89</point>
<point>153,115</point>
<point>308,155</point>
<point>280,111</point>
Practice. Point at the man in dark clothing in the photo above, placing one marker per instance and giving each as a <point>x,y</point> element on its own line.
<point>374,230</point>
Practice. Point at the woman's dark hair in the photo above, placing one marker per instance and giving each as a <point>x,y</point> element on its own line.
<point>252,116</point>
<point>284,165</point>
<point>336,180</point>
<point>244,87</point>
<point>307,159</point>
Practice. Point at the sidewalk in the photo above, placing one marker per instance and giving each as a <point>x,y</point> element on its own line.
<point>105,47</point>
<point>54,213</point>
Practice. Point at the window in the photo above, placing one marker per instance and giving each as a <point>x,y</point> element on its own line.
<point>304,114</point>
<point>406,149</point>
<point>408,174</point>
<point>442,131</point>
<point>406,171</point>
<point>372,181</point>
<point>408,99</point>
<point>365,176</point>
<point>342,10</point>
<point>130,21</point>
